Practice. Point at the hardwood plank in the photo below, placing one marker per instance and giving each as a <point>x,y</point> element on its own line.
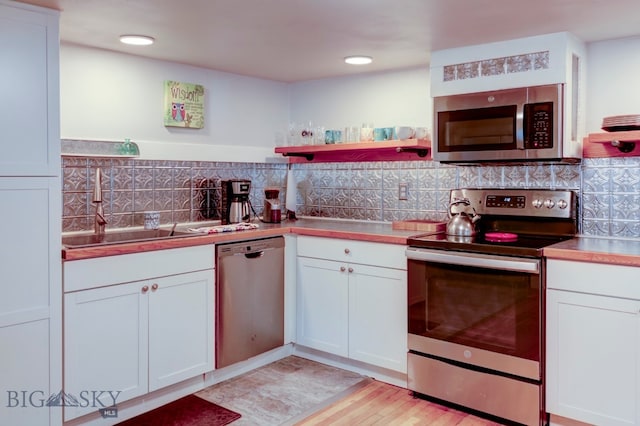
<point>381,404</point>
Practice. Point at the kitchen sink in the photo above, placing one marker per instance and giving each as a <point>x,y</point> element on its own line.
<point>118,237</point>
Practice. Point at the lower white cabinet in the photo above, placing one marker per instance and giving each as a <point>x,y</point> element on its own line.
<point>593,342</point>
<point>122,341</point>
<point>349,309</point>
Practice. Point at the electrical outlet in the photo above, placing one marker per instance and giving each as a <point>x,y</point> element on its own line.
<point>403,189</point>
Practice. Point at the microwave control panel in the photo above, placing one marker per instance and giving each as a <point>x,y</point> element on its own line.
<point>538,125</point>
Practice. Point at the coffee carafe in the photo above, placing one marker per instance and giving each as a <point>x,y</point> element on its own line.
<point>272,212</point>
<point>235,200</point>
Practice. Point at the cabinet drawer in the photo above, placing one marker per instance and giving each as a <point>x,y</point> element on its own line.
<point>362,252</point>
<point>603,279</point>
<point>104,271</point>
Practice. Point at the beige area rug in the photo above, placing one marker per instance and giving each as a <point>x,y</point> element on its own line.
<point>283,392</point>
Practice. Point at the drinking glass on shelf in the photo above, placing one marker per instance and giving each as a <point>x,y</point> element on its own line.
<point>318,135</point>
<point>366,133</point>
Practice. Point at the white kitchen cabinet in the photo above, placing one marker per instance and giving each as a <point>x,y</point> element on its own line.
<point>29,83</point>
<point>323,306</point>
<point>349,307</point>
<point>137,337</point>
<point>593,342</point>
<point>30,196</point>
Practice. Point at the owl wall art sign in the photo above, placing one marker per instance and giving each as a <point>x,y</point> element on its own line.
<point>183,104</point>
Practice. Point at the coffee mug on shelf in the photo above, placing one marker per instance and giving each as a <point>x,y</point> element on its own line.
<point>404,132</point>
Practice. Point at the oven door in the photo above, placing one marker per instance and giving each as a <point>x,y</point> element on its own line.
<point>480,310</point>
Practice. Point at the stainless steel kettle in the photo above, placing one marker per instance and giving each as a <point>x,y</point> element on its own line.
<point>462,223</point>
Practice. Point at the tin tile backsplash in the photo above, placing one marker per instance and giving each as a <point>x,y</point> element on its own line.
<point>609,189</point>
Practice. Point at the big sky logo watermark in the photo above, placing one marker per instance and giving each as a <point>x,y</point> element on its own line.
<point>102,400</point>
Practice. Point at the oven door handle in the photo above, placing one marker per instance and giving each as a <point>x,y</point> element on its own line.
<point>504,263</point>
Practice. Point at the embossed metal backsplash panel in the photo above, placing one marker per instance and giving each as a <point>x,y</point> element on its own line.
<point>609,189</point>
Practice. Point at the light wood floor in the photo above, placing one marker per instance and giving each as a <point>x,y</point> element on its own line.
<point>382,404</point>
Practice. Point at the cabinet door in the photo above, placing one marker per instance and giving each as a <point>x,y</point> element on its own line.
<point>323,306</point>
<point>30,308</point>
<point>29,86</point>
<point>105,346</point>
<point>180,327</point>
<point>378,316</point>
<point>24,374</point>
<point>593,358</point>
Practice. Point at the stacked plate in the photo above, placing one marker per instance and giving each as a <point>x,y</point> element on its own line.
<point>621,123</point>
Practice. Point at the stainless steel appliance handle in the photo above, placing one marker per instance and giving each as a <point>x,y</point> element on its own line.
<point>477,260</point>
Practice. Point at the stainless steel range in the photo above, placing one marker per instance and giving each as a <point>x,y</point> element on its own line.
<point>476,302</point>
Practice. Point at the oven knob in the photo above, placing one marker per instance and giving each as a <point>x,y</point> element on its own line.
<point>549,203</point>
<point>537,203</point>
<point>562,204</point>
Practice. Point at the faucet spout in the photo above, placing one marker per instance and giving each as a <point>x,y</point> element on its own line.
<point>100,221</point>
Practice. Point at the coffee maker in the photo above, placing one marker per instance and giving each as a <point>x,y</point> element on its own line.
<point>235,201</point>
<point>272,212</point>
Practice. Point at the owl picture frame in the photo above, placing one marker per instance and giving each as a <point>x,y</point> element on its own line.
<point>183,104</point>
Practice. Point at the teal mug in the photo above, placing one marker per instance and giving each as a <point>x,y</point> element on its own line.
<point>389,133</point>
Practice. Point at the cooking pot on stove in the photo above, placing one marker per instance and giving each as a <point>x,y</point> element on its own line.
<point>462,223</point>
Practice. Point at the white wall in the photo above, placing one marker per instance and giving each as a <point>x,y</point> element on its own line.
<point>111,96</point>
<point>389,99</point>
<point>613,74</point>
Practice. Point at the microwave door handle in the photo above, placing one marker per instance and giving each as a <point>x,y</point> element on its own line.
<point>523,126</point>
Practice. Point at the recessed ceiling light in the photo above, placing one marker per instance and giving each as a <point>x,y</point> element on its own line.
<point>136,40</point>
<point>358,60</point>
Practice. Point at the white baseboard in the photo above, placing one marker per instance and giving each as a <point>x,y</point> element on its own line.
<point>382,374</point>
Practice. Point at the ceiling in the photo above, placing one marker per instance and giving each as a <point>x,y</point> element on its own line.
<point>296,40</point>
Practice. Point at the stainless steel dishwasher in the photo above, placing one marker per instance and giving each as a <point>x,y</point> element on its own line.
<point>249,299</point>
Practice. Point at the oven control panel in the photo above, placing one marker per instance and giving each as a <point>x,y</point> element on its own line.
<point>519,202</point>
<point>506,201</point>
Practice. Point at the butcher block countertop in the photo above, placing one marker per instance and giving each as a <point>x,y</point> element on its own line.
<point>597,250</point>
<point>333,228</point>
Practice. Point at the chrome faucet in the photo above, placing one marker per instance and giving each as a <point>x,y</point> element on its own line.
<point>100,221</point>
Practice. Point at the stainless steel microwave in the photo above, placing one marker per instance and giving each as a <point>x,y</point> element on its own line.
<point>518,124</point>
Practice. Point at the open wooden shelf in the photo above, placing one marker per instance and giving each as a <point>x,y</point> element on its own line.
<point>612,144</point>
<point>397,150</point>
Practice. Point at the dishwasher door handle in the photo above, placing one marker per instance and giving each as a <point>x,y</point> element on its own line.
<point>254,255</point>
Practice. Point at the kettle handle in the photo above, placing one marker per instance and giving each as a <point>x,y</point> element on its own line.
<point>474,217</point>
<point>460,201</point>
<point>457,201</point>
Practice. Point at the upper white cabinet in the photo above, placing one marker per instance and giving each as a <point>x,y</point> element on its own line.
<point>531,61</point>
<point>352,300</point>
<point>29,83</point>
<point>593,342</point>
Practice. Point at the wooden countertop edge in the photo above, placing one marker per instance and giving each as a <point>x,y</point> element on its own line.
<point>592,256</point>
<point>570,252</point>
<point>196,240</point>
<point>179,242</point>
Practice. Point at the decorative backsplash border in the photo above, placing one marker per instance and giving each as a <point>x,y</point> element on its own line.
<point>497,66</point>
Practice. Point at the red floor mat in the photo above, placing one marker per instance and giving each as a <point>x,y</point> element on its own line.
<point>188,411</point>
